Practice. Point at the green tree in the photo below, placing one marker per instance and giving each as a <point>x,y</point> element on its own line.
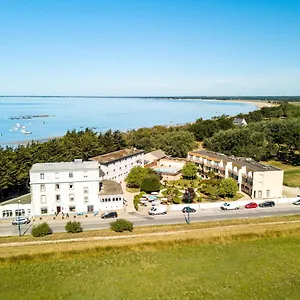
<point>189,170</point>
<point>228,187</point>
<point>189,195</point>
<point>136,176</point>
<point>150,183</point>
<point>176,144</point>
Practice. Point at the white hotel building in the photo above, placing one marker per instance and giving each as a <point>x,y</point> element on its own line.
<point>117,165</point>
<point>64,187</point>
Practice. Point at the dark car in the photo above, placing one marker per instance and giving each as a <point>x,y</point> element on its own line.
<point>297,202</point>
<point>188,210</point>
<point>109,215</point>
<point>267,204</point>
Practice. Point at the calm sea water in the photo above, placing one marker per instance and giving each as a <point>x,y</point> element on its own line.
<point>103,114</point>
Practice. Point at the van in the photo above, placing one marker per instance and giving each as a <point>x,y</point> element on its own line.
<point>157,210</point>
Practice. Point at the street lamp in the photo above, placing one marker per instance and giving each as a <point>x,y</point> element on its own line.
<point>19,225</point>
<point>189,200</point>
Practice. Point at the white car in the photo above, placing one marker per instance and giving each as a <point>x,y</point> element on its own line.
<point>21,221</point>
<point>157,210</point>
<point>229,206</point>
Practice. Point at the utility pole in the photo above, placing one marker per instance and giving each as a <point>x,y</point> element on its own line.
<point>189,199</point>
<point>18,218</point>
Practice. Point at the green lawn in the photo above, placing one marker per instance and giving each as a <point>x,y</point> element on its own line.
<point>291,173</point>
<point>266,268</point>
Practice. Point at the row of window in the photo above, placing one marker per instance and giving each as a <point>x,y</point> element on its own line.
<point>58,198</point>
<point>9,213</point>
<point>111,199</point>
<point>57,188</point>
<point>56,175</point>
<point>72,209</point>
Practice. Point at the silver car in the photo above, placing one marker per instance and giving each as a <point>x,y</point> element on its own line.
<point>21,221</point>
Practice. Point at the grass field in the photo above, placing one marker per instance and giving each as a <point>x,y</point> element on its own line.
<point>267,268</point>
<point>291,173</point>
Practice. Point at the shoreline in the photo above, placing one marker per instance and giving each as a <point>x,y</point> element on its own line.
<point>258,103</point>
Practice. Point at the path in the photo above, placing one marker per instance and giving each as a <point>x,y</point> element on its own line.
<point>129,198</point>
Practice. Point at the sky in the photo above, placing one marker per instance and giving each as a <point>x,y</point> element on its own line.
<point>150,47</point>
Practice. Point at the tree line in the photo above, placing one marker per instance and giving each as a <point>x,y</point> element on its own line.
<point>272,132</point>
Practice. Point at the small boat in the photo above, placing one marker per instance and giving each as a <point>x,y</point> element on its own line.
<point>27,132</point>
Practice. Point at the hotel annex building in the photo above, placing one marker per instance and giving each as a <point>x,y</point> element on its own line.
<point>255,179</point>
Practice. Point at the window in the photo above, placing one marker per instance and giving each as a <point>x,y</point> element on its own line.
<point>71,197</point>
<point>70,174</point>
<point>90,208</point>
<point>7,213</point>
<point>71,186</point>
<point>57,197</point>
<point>120,168</point>
<point>56,175</point>
<point>42,176</point>
<point>43,199</point>
<point>86,199</point>
<point>57,187</point>
<point>114,170</point>
<point>44,210</point>
<point>85,190</point>
<point>72,208</point>
<point>85,174</point>
<point>43,188</point>
<point>259,194</point>
<point>19,212</point>
<point>268,193</point>
<point>113,199</point>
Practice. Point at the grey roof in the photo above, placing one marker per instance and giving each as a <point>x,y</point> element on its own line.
<point>116,155</point>
<point>239,161</point>
<point>158,154</point>
<point>65,166</point>
<point>110,187</point>
<point>239,121</point>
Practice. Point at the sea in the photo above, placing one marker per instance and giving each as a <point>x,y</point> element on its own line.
<point>23,119</point>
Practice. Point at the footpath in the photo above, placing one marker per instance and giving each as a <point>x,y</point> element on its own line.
<point>130,236</point>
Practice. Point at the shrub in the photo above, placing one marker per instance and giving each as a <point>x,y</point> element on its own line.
<point>41,230</point>
<point>121,225</point>
<point>73,227</point>
<point>150,183</point>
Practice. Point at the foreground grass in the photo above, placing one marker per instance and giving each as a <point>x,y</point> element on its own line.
<point>291,173</point>
<point>236,268</point>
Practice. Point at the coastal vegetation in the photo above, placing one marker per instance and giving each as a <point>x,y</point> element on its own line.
<point>273,133</point>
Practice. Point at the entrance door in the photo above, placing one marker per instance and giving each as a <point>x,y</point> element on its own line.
<point>58,209</point>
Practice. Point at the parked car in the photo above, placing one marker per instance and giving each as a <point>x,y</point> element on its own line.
<point>229,206</point>
<point>188,209</point>
<point>109,215</point>
<point>267,204</point>
<point>157,210</point>
<point>251,205</point>
<point>21,221</point>
<point>297,202</point>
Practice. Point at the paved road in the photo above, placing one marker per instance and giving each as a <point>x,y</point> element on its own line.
<point>174,217</point>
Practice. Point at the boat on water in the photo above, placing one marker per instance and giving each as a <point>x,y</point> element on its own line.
<point>27,132</point>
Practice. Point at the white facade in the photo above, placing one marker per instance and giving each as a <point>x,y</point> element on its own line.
<point>257,180</point>
<point>117,165</point>
<point>15,210</point>
<point>66,187</point>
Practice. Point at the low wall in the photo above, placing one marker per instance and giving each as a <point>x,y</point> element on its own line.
<point>217,204</point>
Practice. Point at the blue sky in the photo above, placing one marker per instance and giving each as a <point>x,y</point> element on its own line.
<point>153,47</point>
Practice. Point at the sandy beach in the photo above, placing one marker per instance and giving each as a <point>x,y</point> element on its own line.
<point>259,104</point>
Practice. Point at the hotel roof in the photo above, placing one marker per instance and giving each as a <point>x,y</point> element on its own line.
<point>64,166</point>
<point>239,161</point>
<point>117,155</point>
<point>110,187</point>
